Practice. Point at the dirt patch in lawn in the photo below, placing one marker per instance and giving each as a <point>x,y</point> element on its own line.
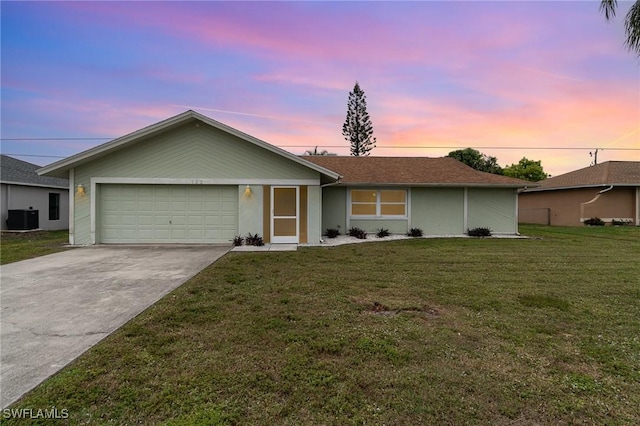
<point>377,308</point>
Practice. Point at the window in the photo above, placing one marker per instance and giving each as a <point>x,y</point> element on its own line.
<point>54,206</point>
<point>363,203</point>
<point>378,203</point>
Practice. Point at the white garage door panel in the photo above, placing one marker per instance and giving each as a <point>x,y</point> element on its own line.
<point>168,213</point>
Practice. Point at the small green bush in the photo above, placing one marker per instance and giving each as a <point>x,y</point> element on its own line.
<point>254,240</point>
<point>332,232</point>
<point>382,232</point>
<point>358,233</point>
<point>415,232</point>
<point>594,221</point>
<point>479,232</point>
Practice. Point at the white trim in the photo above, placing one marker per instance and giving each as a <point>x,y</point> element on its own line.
<point>188,181</point>
<point>92,217</point>
<point>72,204</point>
<point>465,209</point>
<point>286,239</point>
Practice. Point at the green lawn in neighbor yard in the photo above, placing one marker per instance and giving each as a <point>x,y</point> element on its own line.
<point>426,331</point>
<point>15,246</point>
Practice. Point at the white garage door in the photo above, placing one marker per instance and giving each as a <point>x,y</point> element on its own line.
<point>167,213</point>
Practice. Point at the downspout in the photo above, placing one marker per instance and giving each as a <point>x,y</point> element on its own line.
<point>582,218</point>
<point>330,184</point>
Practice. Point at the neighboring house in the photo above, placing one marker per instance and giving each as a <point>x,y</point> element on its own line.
<point>610,191</point>
<point>191,179</point>
<point>21,188</point>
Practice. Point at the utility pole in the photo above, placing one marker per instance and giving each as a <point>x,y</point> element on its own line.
<point>595,157</point>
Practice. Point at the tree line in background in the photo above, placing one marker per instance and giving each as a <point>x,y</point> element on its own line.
<point>525,169</point>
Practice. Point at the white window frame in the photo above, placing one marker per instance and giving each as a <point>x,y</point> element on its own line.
<point>379,214</point>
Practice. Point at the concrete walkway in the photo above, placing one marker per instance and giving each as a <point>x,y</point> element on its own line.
<point>56,307</point>
<point>267,247</point>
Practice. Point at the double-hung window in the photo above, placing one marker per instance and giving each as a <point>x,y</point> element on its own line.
<point>379,202</point>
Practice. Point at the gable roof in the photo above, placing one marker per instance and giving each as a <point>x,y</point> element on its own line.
<point>14,171</point>
<point>60,168</point>
<point>414,171</point>
<point>616,173</point>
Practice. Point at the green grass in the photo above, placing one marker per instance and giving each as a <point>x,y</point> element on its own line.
<point>16,246</point>
<point>422,331</point>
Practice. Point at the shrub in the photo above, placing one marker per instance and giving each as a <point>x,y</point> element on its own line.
<point>594,221</point>
<point>621,222</point>
<point>415,232</point>
<point>358,233</point>
<point>479,232</point>
<point>238,240</point>
<point>382,233</point>
<point>332,232</point>
<point>254,240</point>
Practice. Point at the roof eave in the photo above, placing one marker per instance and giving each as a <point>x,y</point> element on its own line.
<point>442,184</point>
<point>40,185</point>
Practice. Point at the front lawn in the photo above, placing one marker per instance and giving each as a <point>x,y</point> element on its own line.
<point>15,246</point>
<point>425,331</point>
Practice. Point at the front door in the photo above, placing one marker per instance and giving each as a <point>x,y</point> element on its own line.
<point>284,214</point>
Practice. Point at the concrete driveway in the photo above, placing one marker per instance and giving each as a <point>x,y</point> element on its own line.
<point>56,307</point>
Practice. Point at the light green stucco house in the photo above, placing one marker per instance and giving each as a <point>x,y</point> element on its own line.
<point>191,179</point>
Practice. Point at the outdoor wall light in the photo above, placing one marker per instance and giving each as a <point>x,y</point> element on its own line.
<point>80,191</point>
<point>247,192</point>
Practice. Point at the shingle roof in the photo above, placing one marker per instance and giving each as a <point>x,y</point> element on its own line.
<point>17,171</point>
<point>443,171</point>
<point>618,173</point>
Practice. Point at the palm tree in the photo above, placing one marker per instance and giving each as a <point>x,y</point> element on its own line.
<point>631,22</point>
<point>316,152</point>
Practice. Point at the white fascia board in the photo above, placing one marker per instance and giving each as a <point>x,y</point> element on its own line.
<point>188,181</point>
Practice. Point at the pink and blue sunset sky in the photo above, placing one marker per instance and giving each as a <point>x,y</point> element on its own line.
<point>438,75</point>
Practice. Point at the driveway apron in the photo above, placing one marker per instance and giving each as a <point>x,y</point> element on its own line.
<point>55,307</point>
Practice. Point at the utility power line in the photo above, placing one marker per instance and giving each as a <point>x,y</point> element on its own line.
<point>396,147</point>
<point>55,139</point>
